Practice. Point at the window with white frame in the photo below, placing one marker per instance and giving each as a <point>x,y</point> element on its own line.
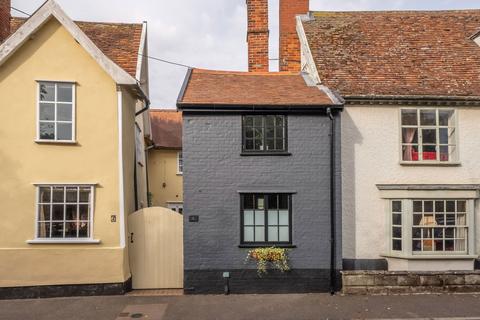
<point>176,206</point>
<point>64,212</point>
<point>429,135</point>
<point>431,226</point>
<point>180,162</point>
<point>56,111</point>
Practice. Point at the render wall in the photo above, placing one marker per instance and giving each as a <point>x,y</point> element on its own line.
<point>371,153</point>
<point>166,185</point>
<point>52,54</point>
<point>214,172</point>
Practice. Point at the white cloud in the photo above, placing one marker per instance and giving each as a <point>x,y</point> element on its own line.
<point>205,33</point>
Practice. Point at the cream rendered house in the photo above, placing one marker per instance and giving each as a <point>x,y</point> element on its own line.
<point>410,146</point>
<point>73,103</point>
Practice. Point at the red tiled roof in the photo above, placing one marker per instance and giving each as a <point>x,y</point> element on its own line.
<point>397,53</point>
<point>118,41</point>
<point>207,87</point>
<point>166,128</point>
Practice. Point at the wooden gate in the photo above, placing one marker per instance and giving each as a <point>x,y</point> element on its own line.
<point>155,246</point>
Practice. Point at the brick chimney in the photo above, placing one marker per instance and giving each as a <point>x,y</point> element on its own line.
<point>289,42</point>
<point>257,35</point>
<point>4,19</point>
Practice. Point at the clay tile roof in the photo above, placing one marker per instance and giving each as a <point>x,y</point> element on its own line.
<point>118,41</point>
<point>208,87</point>
<point>397,53</point>
<point>166,128</point>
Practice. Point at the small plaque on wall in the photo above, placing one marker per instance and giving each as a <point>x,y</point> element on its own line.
<point>193,218</point>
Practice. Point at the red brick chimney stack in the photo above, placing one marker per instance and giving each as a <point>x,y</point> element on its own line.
<point>289,42</point>
<point>257,35</point>
<point>4,19</point>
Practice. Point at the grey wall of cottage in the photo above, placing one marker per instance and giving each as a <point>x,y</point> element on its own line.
<point>214,171</point>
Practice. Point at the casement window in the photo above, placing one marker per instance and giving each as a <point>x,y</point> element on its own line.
<point>64,212</point>
<point>431,227</point>
<point>56,112</point>
<point>179,162</point>
<point>429,135</point>
<point>266,219</point>
<point>264,133</point>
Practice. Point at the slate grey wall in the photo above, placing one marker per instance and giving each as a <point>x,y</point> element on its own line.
<point>214,171</point>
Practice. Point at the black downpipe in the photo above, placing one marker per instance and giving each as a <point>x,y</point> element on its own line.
<point>333,273</point>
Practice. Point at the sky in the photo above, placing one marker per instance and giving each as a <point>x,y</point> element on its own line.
<point>207,33</point>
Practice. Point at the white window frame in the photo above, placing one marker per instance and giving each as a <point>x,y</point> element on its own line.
<point>180,162</point>
<point>453,160</point>
<point>175,206</point>
<point>90,239</point>
<point>74,125</point>
<point>407,225</point>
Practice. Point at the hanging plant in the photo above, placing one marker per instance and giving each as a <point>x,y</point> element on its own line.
<point>265,257</point>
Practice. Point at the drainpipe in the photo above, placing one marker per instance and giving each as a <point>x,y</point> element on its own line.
<point>333,210</point>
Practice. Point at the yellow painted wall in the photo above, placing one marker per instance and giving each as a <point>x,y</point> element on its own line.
<point>162,168</point>
<point>53,54</point>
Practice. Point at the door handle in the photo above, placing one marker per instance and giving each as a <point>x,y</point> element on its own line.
<point>131,237</point>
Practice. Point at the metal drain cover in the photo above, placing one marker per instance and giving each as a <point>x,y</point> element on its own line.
<point>136,315</point>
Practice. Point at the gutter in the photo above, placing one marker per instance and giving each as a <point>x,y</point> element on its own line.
<point>333,211</point>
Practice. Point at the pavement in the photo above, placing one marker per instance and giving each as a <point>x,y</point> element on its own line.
<point>248,307</point>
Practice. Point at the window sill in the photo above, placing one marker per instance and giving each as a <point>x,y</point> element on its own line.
<point>63,241</point>
<point>179,173</point>
<point>56,142</point>
<point>266,154</point>
<point>430,257</point>
<point>253,246</point>
<point>432,164</point>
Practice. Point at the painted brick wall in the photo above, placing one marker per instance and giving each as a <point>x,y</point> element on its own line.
<point>289,42</point>
<point>4,19</point>
<point>214,171</point>
<point>257,35</point>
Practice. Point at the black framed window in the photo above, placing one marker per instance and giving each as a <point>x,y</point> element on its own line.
<point>264,133</point>
<point>266,219</point>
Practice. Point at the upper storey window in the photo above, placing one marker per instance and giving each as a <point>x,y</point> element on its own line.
<point>264,133</point>
<point>429,135</point>
<point>56,109</point>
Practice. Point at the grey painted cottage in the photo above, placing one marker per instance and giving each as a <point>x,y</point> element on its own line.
<point>259,172</point>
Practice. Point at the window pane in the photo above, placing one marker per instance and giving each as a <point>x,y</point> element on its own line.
<point>269,121</point>
<point>44,230</point>
<point>260,234</point>
<point>258,121</point>
<point>428,117</point>
<point>44,212</point>
<point>248,217</point>
<point>272,234</point>
<point>64,93</point>
<point>461,220</point>
<point>258,145</point>
<point>64,131</point>
<point>248,121</point>
<point>45,194</point>
<point>440,219</point>
<point>57,212</point>
<point>270,144</point>
<point>57,230</point>
<point>449,245</point>
<point>416,233</point>
<point>283,218</point>
<point>397,232</point>
<point>428,206</point>
<point>85,195</point>
<point>397,219</point>
<point>438,245</point>
<point>417,219</point>
<point>71,212</point>
<point>417,206</point>
<point>259,218</point>
<point>273,201</point>
<point>84,212</point>
<point>446,117</point>
<point>444,153</point>
<point>429,152</point>
<point>259,202</point>
<point>439,206</point>
<point>272,218</point>
<point>280,121</point>
<point>72,194</point>
<point>429,136</point>
<point>461,206</point>
<point>47,131</point>
<point>397,206</point>
<point>83,230</point>
<point>47,92</point>
<point>248,234</point>
<point>450,220</point>
<point>416,245</point>
<point>47,111</point>
<point>248,201</point>
<point>410,135</point>
<point>450,206</point>
<point>410,153</point>
<point>64,112</point>
<point>397,245</point>
<point>71,229</point>
<point>409,117</point>
<point>249,144</point>
<point>58,194</point>
<point>443,135</point>
<point>284,234</point>
<point>283,201</point>
<point>279,144</point>
<point>249,132</point>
